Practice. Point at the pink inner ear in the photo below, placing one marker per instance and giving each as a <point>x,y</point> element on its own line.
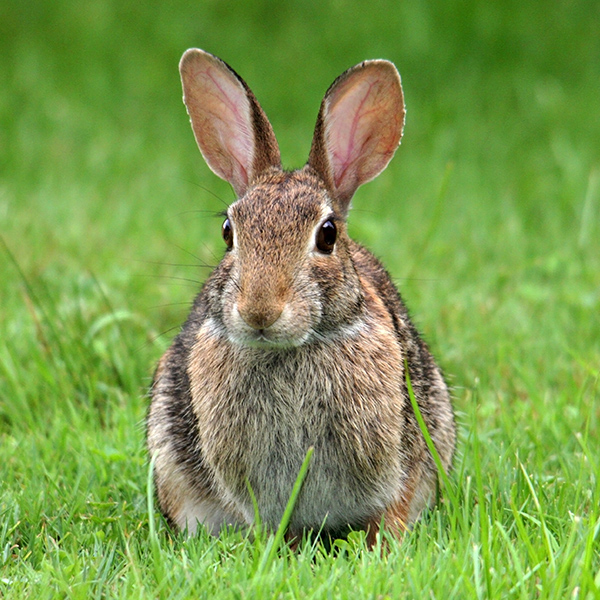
<point>220,113</point>
<point>364,125</point>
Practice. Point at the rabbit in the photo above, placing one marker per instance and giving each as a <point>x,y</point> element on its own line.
<point>298,338</point>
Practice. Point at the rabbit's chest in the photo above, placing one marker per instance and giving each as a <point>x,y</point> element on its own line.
<point>257,419</point>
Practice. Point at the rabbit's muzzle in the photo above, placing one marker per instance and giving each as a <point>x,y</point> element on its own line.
<point>259,312</point>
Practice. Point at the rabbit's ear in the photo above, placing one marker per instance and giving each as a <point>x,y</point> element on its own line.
<point>232,131</point>
<point>358,128</point>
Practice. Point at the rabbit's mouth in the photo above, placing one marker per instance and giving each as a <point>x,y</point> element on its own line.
<point>290,329</point>
<point>268,339</point>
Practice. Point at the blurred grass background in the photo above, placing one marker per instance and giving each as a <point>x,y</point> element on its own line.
<point>488,217</point>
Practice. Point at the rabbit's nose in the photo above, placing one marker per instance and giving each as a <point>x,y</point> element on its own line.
<point>258,315</point>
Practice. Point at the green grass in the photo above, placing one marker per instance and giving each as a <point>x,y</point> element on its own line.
<point>488,218</point>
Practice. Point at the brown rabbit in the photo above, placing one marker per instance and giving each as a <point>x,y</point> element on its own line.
<point>298,338</point>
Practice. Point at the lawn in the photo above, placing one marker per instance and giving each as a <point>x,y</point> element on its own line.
<point>488,219</point>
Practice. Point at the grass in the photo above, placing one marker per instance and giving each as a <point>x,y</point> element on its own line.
<point>488,218</point>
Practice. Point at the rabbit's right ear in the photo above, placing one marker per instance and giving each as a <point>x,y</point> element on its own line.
<point>232,131</point>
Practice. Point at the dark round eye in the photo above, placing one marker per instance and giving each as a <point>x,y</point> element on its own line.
<point>227,233</point>
<point>326,237</point>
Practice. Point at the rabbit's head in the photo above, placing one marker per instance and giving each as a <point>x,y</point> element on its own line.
<point>287,276</point>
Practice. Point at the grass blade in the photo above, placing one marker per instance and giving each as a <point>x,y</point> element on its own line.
<point>273,546</point>
<point>432,449</point>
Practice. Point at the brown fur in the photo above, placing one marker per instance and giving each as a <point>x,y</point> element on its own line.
<point>288,347</point>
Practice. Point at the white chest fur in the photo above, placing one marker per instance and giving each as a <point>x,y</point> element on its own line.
<point>259,412</point>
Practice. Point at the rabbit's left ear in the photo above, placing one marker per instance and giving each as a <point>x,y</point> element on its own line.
<point>358,128</point>
<point>232,131</point>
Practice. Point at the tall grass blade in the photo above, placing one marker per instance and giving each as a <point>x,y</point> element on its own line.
<point>430,445</point>
<point>272,548</point>
<point>547,537</point>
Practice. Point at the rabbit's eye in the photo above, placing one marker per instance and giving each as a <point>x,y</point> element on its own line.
<point>326,237</point>
<point>227,233</point>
